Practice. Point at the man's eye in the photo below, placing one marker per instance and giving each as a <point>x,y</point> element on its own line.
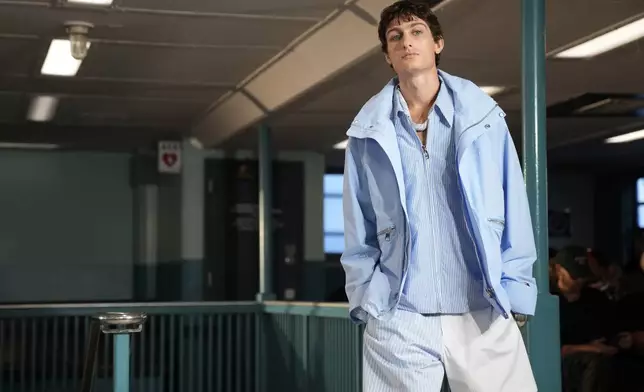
<point>395,37</point>
<point>417,32</point>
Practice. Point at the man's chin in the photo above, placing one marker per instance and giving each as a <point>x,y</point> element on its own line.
<point>413,69</point>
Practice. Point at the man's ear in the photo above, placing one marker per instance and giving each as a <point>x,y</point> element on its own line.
<point>440,45</point>
<point>387,59</point>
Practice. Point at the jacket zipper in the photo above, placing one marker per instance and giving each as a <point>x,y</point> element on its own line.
<point>387,232</point>
<point>489,290</point>
<point>407,239</point>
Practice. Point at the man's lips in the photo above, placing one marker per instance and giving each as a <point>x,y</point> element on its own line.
<point>409,55</point>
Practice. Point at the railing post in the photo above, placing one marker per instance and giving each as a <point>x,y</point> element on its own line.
<point>265,216</point>
<point>122,325</point>
<point>543,329</point>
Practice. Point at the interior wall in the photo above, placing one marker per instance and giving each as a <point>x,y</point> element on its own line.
<point>66,227</point>
<point>573,191</point>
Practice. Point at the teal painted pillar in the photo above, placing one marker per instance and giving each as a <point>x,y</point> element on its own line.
<point>265,216</point>
<point>543,329</point>
<point>122,362</point>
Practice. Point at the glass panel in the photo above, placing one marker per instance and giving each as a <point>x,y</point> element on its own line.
<point>333,184</point>
<point>640,216</point>
<point>640,190</point>
<point>333,243</point>
<point>333,221</point>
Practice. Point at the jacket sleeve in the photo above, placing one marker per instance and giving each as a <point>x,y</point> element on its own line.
<point>518,251</point>
<point>360,252</point>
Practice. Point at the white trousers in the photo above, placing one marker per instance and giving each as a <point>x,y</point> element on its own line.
<point>479,351</point>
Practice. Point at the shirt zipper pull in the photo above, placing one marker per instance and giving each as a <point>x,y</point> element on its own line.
<point>425,153</point>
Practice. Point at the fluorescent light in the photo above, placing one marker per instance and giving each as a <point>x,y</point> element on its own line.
<point>342,145</point>
<point>196,143</point>
<point>91,2</point>
<point>492,90</point>
<point>627,137</point>
<point>42,108</point>
<point>606,42</point>
<point>29,146</point>
<point>59,60</point>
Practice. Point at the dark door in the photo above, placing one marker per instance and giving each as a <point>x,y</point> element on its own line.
<point>232,230</point>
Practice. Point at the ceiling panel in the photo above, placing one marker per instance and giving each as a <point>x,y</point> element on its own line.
<point>202,92</point>
<point>571,20</point>
<point>108,111</point>
<point>177,65</point>
<point>13,108</point>
<point>136,27</point>
<point>20,56</point>
<point>312,8</point>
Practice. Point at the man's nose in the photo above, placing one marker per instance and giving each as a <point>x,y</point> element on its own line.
<point>406,42</point>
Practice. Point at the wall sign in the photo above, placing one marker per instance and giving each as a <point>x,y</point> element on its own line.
<point>169,157</point>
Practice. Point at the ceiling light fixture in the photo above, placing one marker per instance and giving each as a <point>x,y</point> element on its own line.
<point>29,146</point>
<point>59,60</point>
<point>78,32</point>
<point>342,145</point>
<point>626,138</point>
<point>603,43</point>
<point>42,108</point>
<point>492,90</point>
<point>91,2</point>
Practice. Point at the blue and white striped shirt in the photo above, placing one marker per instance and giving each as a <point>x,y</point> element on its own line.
<point>444,273</point>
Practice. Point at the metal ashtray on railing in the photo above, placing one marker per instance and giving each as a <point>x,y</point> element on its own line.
<point>121,325</point>
<point>117,323</point>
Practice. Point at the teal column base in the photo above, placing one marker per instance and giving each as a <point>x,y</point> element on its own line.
<point>541,335</point>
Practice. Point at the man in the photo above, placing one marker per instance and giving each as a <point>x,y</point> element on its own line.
<point>439,245</point>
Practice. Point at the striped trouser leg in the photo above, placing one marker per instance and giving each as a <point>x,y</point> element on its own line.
<point>403,354</point>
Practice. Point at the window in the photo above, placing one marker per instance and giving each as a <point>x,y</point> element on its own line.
<point>640,202</point>
<point>333,218</point>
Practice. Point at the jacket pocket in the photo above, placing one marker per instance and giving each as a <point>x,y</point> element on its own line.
<point>497,225</point>
<point>386,234</point>
<point>500,223</point>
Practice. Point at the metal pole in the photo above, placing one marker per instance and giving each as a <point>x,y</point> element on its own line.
<point>121,363</point>
<point>543,329</point>
<point>265,215</point>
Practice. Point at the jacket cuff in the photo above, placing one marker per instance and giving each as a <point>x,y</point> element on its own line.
<point>522,296</point>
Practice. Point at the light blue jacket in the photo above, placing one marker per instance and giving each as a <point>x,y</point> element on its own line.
<point>376,225</point>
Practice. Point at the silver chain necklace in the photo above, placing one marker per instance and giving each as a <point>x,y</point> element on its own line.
<point>420,127</point>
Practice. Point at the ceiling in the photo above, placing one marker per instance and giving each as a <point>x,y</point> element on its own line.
<point>153,67</point>
<point>157,66</point>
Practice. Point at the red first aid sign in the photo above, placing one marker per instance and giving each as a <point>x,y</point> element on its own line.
<point>169,157</point>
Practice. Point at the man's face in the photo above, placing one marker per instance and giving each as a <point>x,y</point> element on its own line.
<point>411,47</point>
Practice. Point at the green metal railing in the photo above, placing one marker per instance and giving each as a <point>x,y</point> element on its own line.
<point>318,347</point>
<point>186,347</point>
<point>183,347</point>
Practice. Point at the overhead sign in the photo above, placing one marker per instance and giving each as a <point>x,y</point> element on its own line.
<point>169,157</point>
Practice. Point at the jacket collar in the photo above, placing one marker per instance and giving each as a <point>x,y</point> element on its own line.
<point>444,104</point>
<point>471,105</point>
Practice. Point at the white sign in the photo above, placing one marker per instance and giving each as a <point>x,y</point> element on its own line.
<point>169,157</point>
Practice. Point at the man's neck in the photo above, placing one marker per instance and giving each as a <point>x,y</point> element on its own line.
<point>420,92</point>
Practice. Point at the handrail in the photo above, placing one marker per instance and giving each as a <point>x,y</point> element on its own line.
<point>320,309</point>
<point>126,304</point>
<point>81,309</point>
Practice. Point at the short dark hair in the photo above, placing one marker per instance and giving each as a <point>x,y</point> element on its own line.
<point>406,10</point>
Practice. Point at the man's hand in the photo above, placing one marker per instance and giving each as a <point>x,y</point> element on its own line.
<point>600,347</point>
<point>521,319</point>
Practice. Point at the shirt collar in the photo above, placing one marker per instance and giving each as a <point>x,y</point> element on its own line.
<point>443,103</point>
